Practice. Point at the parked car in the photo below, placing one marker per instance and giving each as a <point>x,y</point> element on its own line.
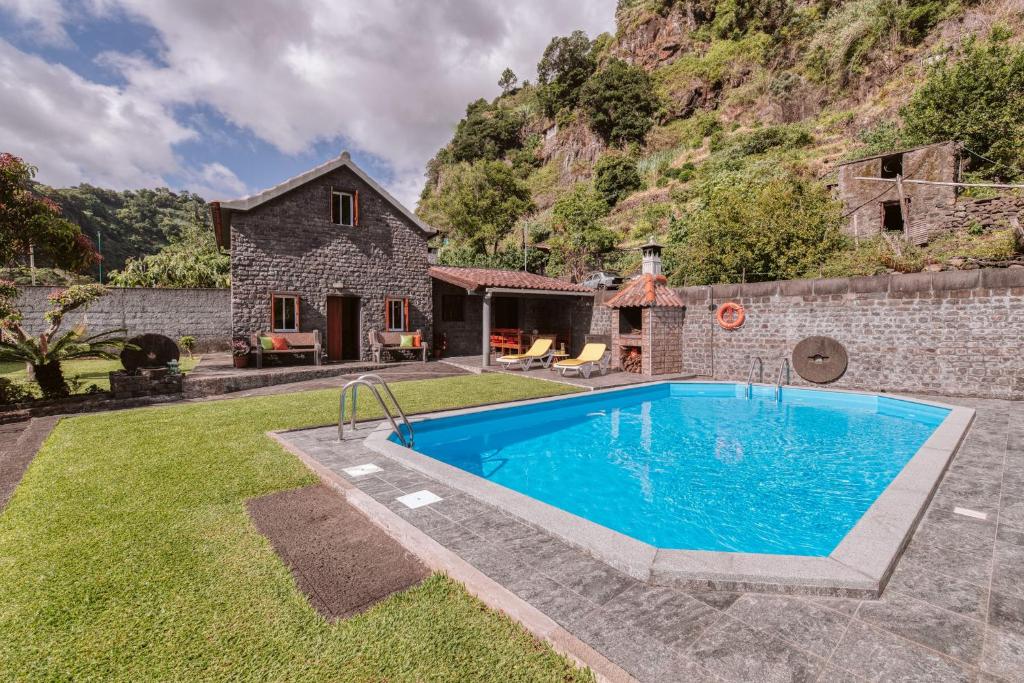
<point>602,280</point>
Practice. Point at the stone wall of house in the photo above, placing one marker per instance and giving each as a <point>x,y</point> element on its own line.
<point>455,337</point>
<point>928,205</point>
<point>956,333</point>
<point>202,313</point>
<point>289,245</point>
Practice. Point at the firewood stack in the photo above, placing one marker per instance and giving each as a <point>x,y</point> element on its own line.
<point>631,360</point>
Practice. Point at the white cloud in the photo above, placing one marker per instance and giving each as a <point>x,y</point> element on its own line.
<point>214,181</point>
<point>80,131</point>
<point>43,18</point>
<point>390,77</point>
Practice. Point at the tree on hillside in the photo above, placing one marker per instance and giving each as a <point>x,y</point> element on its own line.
<point>133,223</point>
<point>620,103</point>
<point>762,229</point>
<point>487,132</point>
<point>479,204</point>
<point>979,101</point>
<point>30,221</point>
<point>616,177</point>
<point>508,81</point>
<point>579,237</point>
<point>192,259</point>
<point>564,67</point>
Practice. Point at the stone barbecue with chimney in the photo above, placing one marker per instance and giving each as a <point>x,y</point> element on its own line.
<point>648,338</point>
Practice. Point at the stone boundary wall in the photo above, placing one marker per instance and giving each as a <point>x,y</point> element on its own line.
<point>995,212</point>
<point>203,313</point>
<point>958,333</point>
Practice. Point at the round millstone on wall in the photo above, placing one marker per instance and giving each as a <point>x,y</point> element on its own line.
<point>154,351</point>
<point>820,359</point>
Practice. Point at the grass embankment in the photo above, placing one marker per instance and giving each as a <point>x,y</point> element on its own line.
<point>83,372</point>
<point>126,553</point>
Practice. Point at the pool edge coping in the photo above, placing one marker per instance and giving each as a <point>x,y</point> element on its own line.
<point>859,567</point>
<point>441,559</point>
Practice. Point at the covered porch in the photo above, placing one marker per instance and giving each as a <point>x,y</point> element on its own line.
<point>485,313</point>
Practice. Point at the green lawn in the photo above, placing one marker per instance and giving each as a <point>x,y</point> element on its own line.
<point>90,371</point>
<point>126,553</point>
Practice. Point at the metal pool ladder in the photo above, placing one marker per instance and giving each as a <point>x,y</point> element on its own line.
<point>371,382</point>
<point>756,360</point>
<point>778,380</point>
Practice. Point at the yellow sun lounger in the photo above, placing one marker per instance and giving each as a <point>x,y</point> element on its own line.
<point>593,356</point>
<point>540,352</point>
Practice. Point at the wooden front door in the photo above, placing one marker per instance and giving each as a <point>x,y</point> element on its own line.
<point>342,328</point>
<point>334,327</point>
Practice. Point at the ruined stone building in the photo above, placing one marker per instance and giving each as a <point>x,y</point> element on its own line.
<point>873,207</point>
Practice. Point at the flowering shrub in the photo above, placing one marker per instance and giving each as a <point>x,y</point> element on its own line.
<point>30,220</point>
<point>46,351</point>
<point>240,347</point>
<point>63,301</point>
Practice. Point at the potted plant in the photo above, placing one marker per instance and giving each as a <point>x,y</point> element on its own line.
<point>187,344</point>
<point>240,352</point>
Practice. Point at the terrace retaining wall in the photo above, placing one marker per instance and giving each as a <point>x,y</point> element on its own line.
<point>958,333</point>
<point>203,313</point>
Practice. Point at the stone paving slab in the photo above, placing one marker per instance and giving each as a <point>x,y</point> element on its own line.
<point>953,611</point>
<point>19,443</point>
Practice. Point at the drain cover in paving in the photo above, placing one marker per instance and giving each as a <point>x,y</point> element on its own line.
<point>418,499</point>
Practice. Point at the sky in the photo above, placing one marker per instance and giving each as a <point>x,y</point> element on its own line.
<point>225,98</point>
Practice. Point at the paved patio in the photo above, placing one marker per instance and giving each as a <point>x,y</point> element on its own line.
<point>392,372</point>
<point>216,375</point>
<point>953,611</point>
<point>611,379</point>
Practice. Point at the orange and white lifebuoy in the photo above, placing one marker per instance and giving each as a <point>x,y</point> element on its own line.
<point>730,315</point>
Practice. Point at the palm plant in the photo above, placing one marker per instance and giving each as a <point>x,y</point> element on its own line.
<point>45,352</point>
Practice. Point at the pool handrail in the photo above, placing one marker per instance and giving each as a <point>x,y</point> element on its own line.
<point>750,375</point>
<point>371,381</point>
<point>778,380</point>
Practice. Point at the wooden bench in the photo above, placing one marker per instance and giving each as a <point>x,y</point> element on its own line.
<point>298,343</point>
<point>382,342</point>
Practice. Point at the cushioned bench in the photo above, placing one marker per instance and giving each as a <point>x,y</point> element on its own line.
<point>390,342</point>
<point>298,343</point>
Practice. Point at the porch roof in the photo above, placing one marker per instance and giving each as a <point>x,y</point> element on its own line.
<point>481,279</point>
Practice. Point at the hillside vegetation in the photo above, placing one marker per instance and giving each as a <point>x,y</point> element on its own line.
<point>714,126</point>
<point>148,238</point>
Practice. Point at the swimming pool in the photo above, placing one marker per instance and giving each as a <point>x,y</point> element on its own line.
<point>697,466</point>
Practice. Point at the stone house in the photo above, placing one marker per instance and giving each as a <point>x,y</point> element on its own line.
<point>327,250</point>
<point>881,194</point>
<point>874,206</point>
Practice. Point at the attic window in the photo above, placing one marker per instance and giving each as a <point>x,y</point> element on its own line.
<point>892,166</point>
<point>343,209</point>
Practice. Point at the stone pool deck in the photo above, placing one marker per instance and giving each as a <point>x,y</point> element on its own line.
<point>953,610</point>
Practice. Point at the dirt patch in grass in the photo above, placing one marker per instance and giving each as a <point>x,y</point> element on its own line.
<point>340,560</point>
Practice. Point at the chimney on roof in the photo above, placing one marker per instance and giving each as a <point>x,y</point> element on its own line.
<point>652,258</point>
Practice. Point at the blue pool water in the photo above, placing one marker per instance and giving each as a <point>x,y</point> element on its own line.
<point>697,466</point>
